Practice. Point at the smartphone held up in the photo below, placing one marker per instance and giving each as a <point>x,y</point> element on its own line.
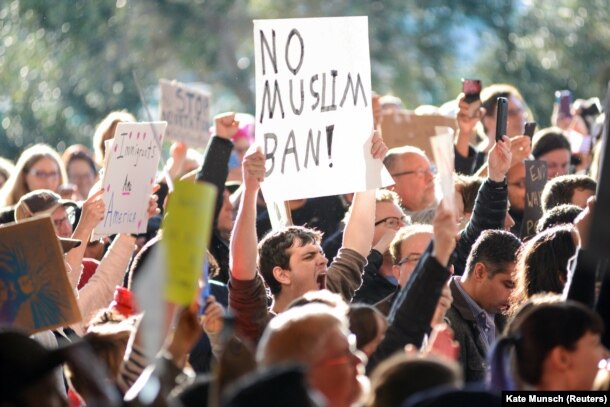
<point>472,95</point>
<point>501,117</point>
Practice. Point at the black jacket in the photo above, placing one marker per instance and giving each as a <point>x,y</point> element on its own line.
<point>410,316</point>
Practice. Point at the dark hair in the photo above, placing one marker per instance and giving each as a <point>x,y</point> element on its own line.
<point>549,139</point>
<point>401,376</point>
<point>560,190</point>
<point>494,248</point>
<point>363,323</point>
<point>469,188</point>
<point>559,215</point>
<point>79,155</point>
<point>273,251</point>
<point>533,333</point>
<point>542,264</point>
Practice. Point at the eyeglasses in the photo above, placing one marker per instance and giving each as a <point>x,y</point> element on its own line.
<point>393,221</point>
<point>419,172</point>
<point>70,216</point>
<point>411,258</point>
<point>43,174</point>
<point>78,177</point>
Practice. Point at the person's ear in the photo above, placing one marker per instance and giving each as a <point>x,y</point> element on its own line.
<point>480,271</point>
<point>396,272</point>
<point>559,358</point>
<point>282,275</point>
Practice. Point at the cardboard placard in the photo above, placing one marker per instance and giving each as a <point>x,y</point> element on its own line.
<point>187,113</point>
<point>131,165</point>
<point>444,157</point>
<point>313,107</point>
<point>404,128</point>
<point>535,180</point>
<point>35,294</point>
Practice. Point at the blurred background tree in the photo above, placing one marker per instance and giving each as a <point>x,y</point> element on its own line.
<point>64,65</point>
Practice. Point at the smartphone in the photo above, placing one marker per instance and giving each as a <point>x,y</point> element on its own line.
<point>564,99</point>
<point>471,89</point>
<point>501,117</point>
<point>530,129</point>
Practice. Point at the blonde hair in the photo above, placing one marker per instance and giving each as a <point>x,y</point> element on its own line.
<point>16,186</point>
<point>105,131</point>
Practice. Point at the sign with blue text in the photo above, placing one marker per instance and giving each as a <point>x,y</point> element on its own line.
<point>313,107</point>
<point>131,165</point>
<point>187,113</point>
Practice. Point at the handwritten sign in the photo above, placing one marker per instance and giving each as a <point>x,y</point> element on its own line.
<point>404,128</point>
<point>535,179</point>
<point>187,230</point>
<point>130,173</point>
<point>187,113</point>
<point>35,294</point>
<point>313,107</point>
<point>600,225</point>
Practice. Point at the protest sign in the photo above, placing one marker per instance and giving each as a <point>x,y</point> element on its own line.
<point>404,128</point>
<point>128,177</point>
<point>187,113</point>
<point>443,153</point>
<point>600,224</point>
<point>535,179</point>
<point>313,107</point>
<point>187,230</point>
<point>35,294</point>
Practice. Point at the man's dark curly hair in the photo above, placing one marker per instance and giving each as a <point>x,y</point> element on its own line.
<point>273,250</point>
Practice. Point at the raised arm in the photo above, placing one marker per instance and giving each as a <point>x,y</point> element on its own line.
<point>92,213</point>
<point>491,204</point>
<point>465,154</point>
<point>214,168</point>
<point>243,239</point>
<point>417,301</point>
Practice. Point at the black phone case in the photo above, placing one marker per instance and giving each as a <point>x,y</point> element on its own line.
<point>501,117</point>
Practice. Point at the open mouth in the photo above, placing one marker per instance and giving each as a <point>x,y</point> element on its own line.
<point>321,281</point>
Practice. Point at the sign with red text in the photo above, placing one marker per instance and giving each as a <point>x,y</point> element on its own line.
<point>132,161</point>
<point>313,107</point>
<point>187,113</point>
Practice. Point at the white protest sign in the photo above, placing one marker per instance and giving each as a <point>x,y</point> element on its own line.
<point>313,107</point>
<point>443,151</point>
<point>128,177</point>
<point>187,113</point>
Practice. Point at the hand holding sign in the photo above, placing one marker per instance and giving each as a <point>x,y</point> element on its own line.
<point>93,211</point>
<point>378,147</point>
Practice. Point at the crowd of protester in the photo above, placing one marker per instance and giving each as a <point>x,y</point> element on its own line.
<point>378,298</point>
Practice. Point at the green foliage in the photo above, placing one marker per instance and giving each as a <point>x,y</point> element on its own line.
<point>65,64</point>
